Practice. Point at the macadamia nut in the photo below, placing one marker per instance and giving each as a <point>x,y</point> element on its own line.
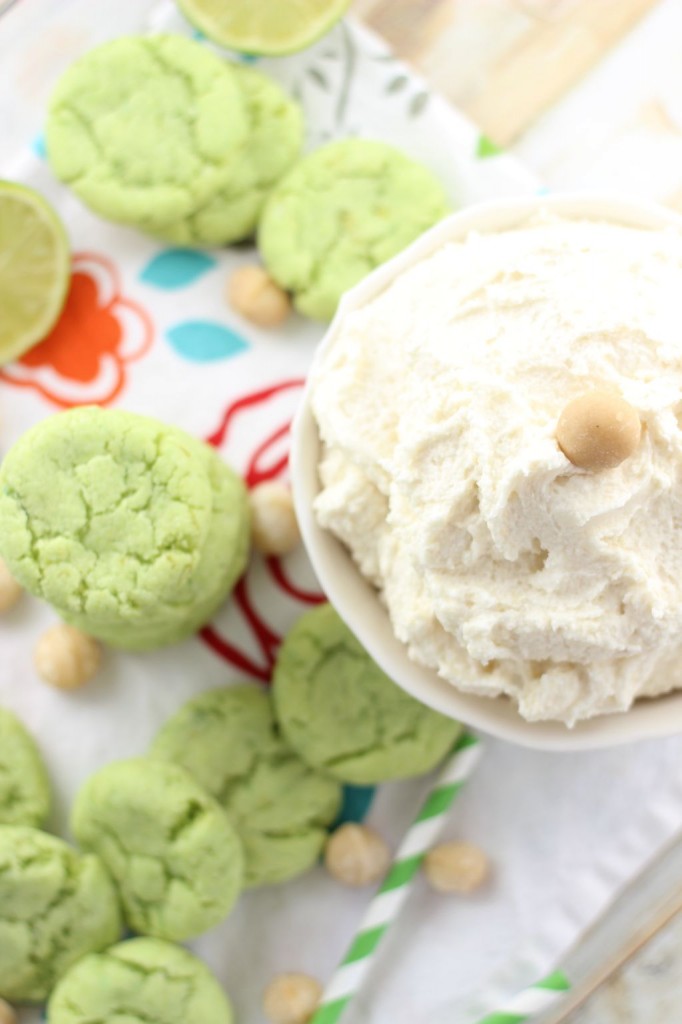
<point>66,658</point>
<point>253,293</point>
<point>10,592</point>
<point>598,431</point>
<point>7,1014</point>
<point>356,855</point>
<point>291,999</point>
<point>274,529</point>
<point>456,867</point>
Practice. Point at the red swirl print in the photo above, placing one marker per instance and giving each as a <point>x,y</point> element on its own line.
<point>84,360</point>
<point>266,639</point>
<point>276,569</point>
<point>267,600</point>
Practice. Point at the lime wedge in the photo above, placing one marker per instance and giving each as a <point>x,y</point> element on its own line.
<point>35,269</point>
<point>268,27</point>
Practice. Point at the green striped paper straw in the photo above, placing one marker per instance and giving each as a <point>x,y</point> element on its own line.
<point>396,887</point>
<point>537,998</point>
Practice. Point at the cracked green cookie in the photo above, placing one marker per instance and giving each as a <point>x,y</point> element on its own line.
<point>24,785</point>
<point>274,143</point>
<point>176,859</point>
<point>147,128</point>
<point>55,906</point>
<point>133,530</point>
<point>144,981</point>
<point>229,741</point>
<point>341,212</point>
<point>343,715</point>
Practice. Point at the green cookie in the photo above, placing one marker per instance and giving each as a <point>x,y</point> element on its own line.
<point>340,213</point>
<point>174,856</point>
<point>343,715</point>
<point>274,143</point>
<point>143,981</point>
<point>55,906</point>
<point>229,741</point>
<point>133,530</point>
<point>24,785</point>
<point>146,128</point>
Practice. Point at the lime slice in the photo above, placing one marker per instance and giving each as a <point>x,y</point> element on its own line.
<point>269,27</point>
<point>35,269</point>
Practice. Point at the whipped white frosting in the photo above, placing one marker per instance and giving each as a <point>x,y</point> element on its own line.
<point>503,566</point>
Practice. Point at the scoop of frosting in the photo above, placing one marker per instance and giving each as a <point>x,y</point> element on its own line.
<point>503,565</point>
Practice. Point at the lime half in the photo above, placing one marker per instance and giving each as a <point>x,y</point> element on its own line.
<point>35,269</point>
<point>269,27</point>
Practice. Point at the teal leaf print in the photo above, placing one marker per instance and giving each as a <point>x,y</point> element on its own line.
<point>356,803</point>
<point>418,103</point>
<point>204,341</point>
<point>350,60</point>
<point>398,83</point>
<point>316,75</point>
<point>176,268</point>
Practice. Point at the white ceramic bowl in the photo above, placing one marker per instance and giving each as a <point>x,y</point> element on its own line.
<point>357,601</point>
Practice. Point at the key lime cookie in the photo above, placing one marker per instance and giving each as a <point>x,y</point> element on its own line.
<point>24,785</point>
<point>228,739</point>
<point>147,128</point>
<point>55,907</point>
<point>274,143</point>
<point>144,980</point>
<point>176,859</point>
<point>134,531</point>
<point>343,715</point>
<point>341,212</point>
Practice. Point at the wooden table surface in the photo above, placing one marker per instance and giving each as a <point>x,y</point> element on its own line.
<point>588,93</point>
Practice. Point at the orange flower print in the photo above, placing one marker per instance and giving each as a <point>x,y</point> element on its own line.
<point>84,359</point>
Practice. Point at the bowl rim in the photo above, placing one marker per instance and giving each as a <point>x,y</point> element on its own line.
<point>357,601</point>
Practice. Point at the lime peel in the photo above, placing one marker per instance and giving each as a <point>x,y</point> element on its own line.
<point>35,269</point>
<point>264,27</point>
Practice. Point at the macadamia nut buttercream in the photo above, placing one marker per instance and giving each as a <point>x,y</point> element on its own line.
<point>503,566</point>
